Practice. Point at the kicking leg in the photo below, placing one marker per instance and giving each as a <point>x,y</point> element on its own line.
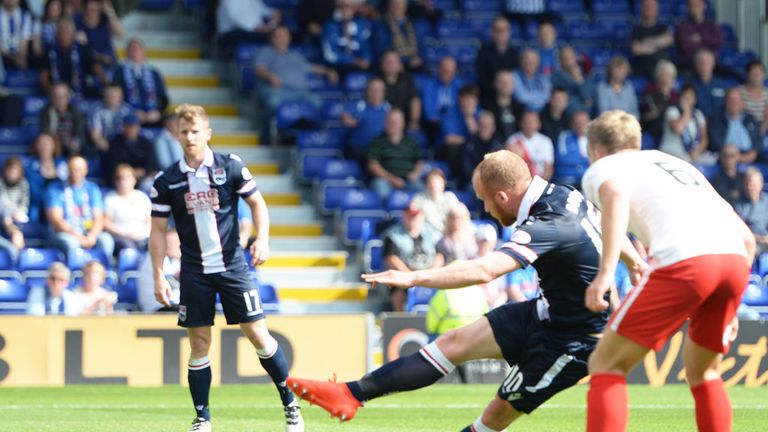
<point>498,415</point>
<point>199,371</point>
<point>713,407</point>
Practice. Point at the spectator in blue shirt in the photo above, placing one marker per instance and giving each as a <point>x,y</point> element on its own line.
<point>547,47</point>
<point>753,208</point>
<point>616,92</point>
<point>440,96</point>
<point>96,26</point>
<point>347,40</point>
<point>710,90</point>
<point>735,126</point>
<point>571,159</point>
<point>106,119</point>
<point>532,88</point>
<point>75,210</point>
<point>364,119</point>
<point>395,32</point>
<point>571,77</point>
<point>44,166</point>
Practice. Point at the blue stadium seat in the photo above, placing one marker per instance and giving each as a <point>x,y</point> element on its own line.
<point>639,83</point>
<point>6,261</point>
<point>23,81</point>
<point>399,199</point>
<point>468,199</point>
<point>435,164</point>
<point>79,257</point>
<point>364,199</point>
<point>331,112</point>
<point>373,260</point>
<point>464,50</point>
<point>310,52</point>
<point>129,260</point>
<point>422,28</point>
<point>33,105</point>
<point>35,234</point>
<point>566,7</point>
<point>340,170</point>
<point>648,142</point>
<point>312,162</point>
<point>444,5</point>
<point>454,28</point>
<point>290,113</point>
<point>319,139</point>
<point>16,136</point>
<point>616,7</point>
<point>12,290</point>
<point>354,82</point>
<point>270,302</point>
<point>418,299</point>
<point>483,5</point>
<point>330,193</point>
<point>156,5</point>
<point>356,224</point>
<point>35,261</point>
<point>756,293</point>
<point>730,40</point>
<point>282,4</point>
<point>127,289</point>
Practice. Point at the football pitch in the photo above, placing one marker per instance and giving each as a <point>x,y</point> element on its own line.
<point>241,408</point>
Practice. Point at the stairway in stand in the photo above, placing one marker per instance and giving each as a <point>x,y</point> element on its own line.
<point>308,268</point>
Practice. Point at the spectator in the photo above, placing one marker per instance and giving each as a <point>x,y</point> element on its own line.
<point>696,32</point>
<point>753,208</point>
<point>495,56</point>
<point>94,299</point>
<point>282,72</point>
<point>400,90</point>
<point>126,212</point>
<point>494,292</point>
<point>616,92</point>
<point>657,98</point>
<point>171,268</point>
<point>728,181</point>
<point>571,77</point>
<point>394,159</point>
<point>532,88</point>
<point>685,128</point>
<point>650,40</point>
<point>167,146</point>
<point>61,118</point>
<point>106,120</point>
<point>440,96</point>
<point>458,242</point>
<point>244,22</point>
<point>506,110</point>
<point>43,167</point>
<point>132,148</point>
<point>69,62</point>
<point>710,90</point>
<point>75,210</point>
<point>142,85</point>
<point>15,34</point>
<point>410,245</point>
<point>554,116</point>
<point>457,128</point>
<point>54,298</point>
<point>535,148</point>
<point>734,126</point>
<point>571,158</point>
<point>524,10</point>
<point>547,47</point>
<point>96,26</point>
<point>346,39</point>
<point>311,15</point>
<point>12,238</point>
<point>365,119</point>
<point>755,94</point>
<point>14,190</point>
<point>435,202</point>
<point>395,32</point>
<point>44,30</point>
<point>486,140</point>
<point>11,105</point>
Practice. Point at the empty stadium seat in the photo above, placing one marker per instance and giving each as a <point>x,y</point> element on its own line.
<point>6,261</point>
<point>35,261</point>
<point>454,28</point>
<point>129,259</point>
<point>291,114</point>
<point>356,224</point>
<point>364,199</point>
<point>483,5</point>
<point>373,259</point>
<point>399,199</point>
<point>340,170</point>
<point>354,82</point>
<point>12,290</point>
<point>319,139</point>
<point>127,289</point>
<point>156,5</point>
<point>330,193</point>
<point>79,257</point>
<point>312,162</point>
<point>756,293</point>
<point>270,302</point>
<point>418,299</point>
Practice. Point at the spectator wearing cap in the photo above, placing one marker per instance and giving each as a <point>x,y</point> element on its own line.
<point>132,148</point>
<point>394,159</point>
<point>54,298</point>
<point>409,245</point>
<point>126,212</point>
<point>143,86</point>
<point>106,120</point>
<point>435,202</point>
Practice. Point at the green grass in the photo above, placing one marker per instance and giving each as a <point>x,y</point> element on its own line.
<point>256,408</point>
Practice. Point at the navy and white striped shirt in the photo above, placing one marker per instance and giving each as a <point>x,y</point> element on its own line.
<point>203,204</point>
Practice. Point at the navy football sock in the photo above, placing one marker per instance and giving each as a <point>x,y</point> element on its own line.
<point>199,378</point>
<point>277,368</point>
<point>406,373</point>
<point>467,429</point>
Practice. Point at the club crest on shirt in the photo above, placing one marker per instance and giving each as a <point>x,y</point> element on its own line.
<point>219,176</point>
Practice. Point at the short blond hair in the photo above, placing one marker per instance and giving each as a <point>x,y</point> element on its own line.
<point>189,112</point>
<point>614,130</point>
<point>503,169</point>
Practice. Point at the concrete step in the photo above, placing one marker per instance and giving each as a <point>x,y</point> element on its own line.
<point>277,229</point>
<point>222,109</point>
<point>152,53</point>
<point>331,294</point>
<point>201,96</point>
<point>140,21</point>
<point>269,184</point>
<point>292,214</point>
<point>160,38</point>
<point>321,243</point>
<point>168,67</point>
<point>264,168</point>
<point>227,124</point>
<point>241,144</point>
<point>314,277</point>
<point>209,81</point>
<point>333,259</point>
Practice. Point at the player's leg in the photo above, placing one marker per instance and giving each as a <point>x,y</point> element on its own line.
<point>199,371</point>
<point>497,416</point>
<point>271,356</point>
<point>713,406</point>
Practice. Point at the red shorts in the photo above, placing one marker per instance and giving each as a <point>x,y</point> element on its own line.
<point>707,289</point>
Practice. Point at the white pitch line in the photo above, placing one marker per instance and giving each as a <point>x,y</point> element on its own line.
<point>373,406</point>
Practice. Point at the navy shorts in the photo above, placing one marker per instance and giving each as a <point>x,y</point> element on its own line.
<point>238,294</point>
<point>544,361</point>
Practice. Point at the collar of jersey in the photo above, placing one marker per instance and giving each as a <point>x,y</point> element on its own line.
<point>536,188</point>
<point>207,162</point>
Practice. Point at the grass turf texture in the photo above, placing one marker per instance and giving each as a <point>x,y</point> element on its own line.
<point>256,408</point>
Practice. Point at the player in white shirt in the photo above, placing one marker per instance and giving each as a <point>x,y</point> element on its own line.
<point>700,254</point>
<point>535,148</point>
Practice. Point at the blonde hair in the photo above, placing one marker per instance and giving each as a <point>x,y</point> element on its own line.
<point>503,169</point>
<point>189,112</point>
<point>614,130</point>
<point>96,265</point>
<point>59,267</point>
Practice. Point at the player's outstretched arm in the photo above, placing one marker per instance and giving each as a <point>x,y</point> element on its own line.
<point>157,250</point>
<point>260,214</point>
<point>455,275</point>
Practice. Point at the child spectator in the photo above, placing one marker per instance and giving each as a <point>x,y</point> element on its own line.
<point>14,190</point>
<point>94,299</point>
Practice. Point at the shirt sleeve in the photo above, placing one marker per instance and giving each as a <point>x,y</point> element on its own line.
<point>242,177</point>
<point>531,240</point>
<point>97,199</point>
<point>597,174</point>
<point>53,197</point>
<point>161,202</point>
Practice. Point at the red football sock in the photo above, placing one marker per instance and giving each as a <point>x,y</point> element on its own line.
<point>713,407</point>
<point>607,403</point>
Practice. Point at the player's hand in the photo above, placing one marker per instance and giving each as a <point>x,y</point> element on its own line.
<point>636,272</point>
<point>594,296</point>
<point>393,278</point>
<point>259,252</point>
<point>163,292</point>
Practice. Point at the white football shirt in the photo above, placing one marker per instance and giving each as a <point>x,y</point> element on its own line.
<point>674,211</point>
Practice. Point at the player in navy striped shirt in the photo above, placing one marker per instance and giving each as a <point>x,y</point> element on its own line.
<point>201,192</point>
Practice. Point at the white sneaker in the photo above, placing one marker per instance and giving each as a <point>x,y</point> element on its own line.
<point>200,425</point>
<point>293,420</point>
